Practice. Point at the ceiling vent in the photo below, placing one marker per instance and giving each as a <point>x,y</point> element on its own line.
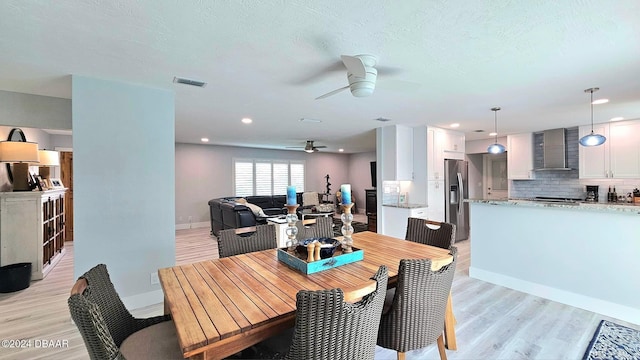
<point>381,119</point>
<point>179,80</point>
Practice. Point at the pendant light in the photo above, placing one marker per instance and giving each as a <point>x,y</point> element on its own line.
<point>496,148</point>
<point>592,139</point>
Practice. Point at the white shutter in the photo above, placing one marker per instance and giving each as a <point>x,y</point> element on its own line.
<point>280,178</point>
<point>244,178</point>
<point>297,176</point>
<point>263,178</point>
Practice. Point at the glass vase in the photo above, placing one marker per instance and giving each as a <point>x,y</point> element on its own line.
<point>347,229</point>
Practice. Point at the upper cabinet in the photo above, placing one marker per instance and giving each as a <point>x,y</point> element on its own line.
<point>520,156</point>
<point>453,145</point>
<point>442,144</point>
<point>397,152</point>
<point>618,157</point>
<point>624,150</point>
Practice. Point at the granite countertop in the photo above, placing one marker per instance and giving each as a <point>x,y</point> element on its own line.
<point>579,206</point>
<point>406,206</point>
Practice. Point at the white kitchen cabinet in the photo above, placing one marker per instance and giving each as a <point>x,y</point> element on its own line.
<point>397,153</point>
<point>395,219</point>
<point>32,229</point>
<point>594,160</point>
<point>453,145</point>
<point>520,156</point>
<point>442,144</point>
<point>435,159</point>
<point>618,157</point>
<point>624,150</point>
<point>435,201</point>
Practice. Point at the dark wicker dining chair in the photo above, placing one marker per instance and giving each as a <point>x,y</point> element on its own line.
<point>429,232</point>
<point>322,227</point>
<point>415,318</point>
<point>110,331</point>
<point>329,326</point>
<point>245,240</point>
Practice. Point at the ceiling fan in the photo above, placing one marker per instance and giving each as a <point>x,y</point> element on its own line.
<point>308,147</point>
<point>361,75</point>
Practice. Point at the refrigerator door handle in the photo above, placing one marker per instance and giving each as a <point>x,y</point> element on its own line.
<point>460,194</point>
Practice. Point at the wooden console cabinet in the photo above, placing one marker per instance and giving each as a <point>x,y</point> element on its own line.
<point>32,229</point>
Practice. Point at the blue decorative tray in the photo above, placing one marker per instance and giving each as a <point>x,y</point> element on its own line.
<point>338,259</point>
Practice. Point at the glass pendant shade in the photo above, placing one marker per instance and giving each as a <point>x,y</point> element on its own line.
<point>592,139</point>
<point>496,148</point>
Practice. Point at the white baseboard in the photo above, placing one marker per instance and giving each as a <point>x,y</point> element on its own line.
<point>603,307</point>
<point>144,299</point>
<point>193,225</point>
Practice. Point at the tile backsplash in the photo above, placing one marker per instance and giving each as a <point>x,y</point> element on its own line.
<point>565,183</point>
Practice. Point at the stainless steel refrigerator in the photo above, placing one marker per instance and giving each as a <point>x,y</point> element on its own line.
<point>456,211</point>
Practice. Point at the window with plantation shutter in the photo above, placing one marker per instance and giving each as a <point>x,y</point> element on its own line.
<point>243,173</point>
<point>266,177</point>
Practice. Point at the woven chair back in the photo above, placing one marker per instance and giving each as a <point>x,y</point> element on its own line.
<point>327,327</point>
<point>428,232</point>
<point>416,317</point>
<point>236,241</point>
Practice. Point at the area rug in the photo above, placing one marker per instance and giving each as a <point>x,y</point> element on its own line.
<point>357,226</point>
<point>612,341</point>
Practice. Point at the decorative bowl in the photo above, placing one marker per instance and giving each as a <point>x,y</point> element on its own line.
<point>328,246</point>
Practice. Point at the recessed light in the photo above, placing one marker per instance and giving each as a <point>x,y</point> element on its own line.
<point>600,101</point>
<point>341,150</point>
<point>493,134</point>
<point>204,139</point>
<point>455,125</point>
<point>246,121</point>
<point>617,118</point>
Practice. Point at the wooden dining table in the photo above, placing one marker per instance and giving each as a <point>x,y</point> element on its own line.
<point>222,306</point>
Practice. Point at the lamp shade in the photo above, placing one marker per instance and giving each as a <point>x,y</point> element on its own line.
<point>19,152</point>
<point>49,158</point>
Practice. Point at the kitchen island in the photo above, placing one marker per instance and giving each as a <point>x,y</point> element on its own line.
<point>585,255</point>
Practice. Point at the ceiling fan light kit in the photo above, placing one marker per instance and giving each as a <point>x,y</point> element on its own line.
<point>496,148</point>
<point>592,139</point>
<point>309,147</point>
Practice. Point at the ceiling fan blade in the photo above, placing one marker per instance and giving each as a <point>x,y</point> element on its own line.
<point>332,93</point>
<point>354,65</point>
<point>319,147</point>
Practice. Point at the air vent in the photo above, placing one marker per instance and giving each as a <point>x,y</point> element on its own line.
<point>179,80</point>
<point>381,119</point>
<point>308,120</point>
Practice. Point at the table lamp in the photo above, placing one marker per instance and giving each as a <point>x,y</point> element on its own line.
<point>20,154</point>
<point>47,158</point>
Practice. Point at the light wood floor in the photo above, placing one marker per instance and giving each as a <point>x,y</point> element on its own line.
<point>493,322</point>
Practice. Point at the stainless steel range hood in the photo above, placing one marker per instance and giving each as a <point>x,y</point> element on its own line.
<point>554,150</point>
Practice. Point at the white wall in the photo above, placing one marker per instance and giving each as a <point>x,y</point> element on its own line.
<point>204,172</point>
<point>359,177</point>
<point>124,183</point>
<point>475,178</point>
<point>34,111</point>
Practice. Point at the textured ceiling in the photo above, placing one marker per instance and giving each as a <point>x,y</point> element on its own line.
<point>445,61</point>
